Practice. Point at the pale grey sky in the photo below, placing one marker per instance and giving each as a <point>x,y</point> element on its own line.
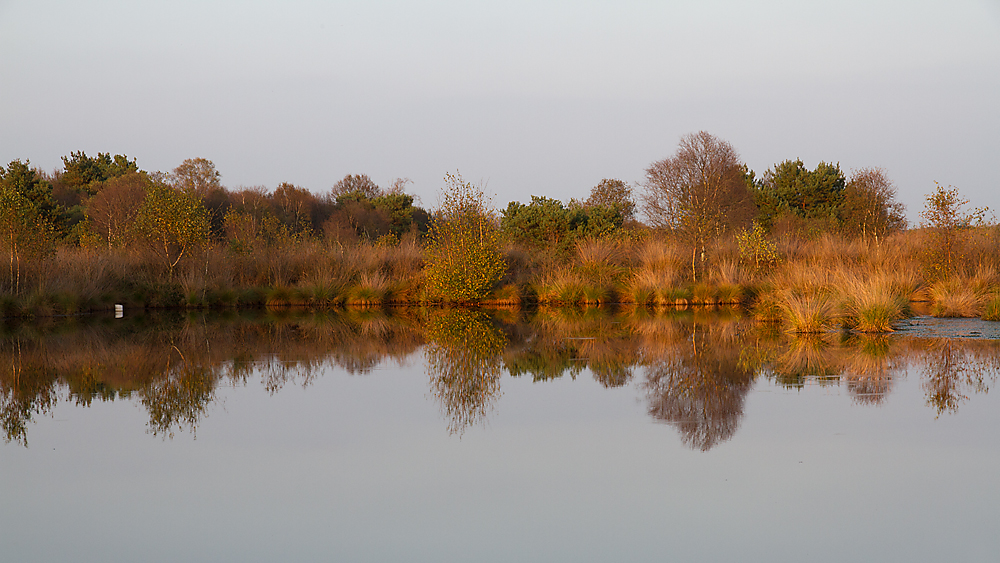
<point>533,97</point>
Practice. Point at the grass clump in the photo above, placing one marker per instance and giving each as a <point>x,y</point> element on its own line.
<point>873,305</point>
<point>991,310</point>
<point>955,297</point>
<point>807,314</point>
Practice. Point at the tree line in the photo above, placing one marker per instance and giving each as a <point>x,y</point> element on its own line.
<point>701,197</point>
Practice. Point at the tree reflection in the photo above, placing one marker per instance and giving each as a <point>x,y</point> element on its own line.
<point>697,366</point>
<point>954,369</point>
<point>175,362</point>
<point>24,392</point>
<point>699,387</point>
<point>180,398</point>
<point>464,363</point>
<point>568,340</point>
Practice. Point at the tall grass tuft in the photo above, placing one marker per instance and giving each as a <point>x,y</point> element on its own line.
<point>955,297</point>
<point>872,305</point>
<point>807,313</point>
<point>991,310</point>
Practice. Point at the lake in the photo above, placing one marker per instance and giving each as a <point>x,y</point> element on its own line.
<point>465,435</point>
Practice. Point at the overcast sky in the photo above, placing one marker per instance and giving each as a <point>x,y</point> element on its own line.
<point>536,97</point>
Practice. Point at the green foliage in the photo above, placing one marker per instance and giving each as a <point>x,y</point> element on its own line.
<point>84,173</point>
<point>173,222</point>
<point>546,223</point>
<point>21,178</point>
<point>463,255</point>
<point>398,211</point>
<point>25,233</point>
<point>789,187</point>
<point>358,216</point>
<point>756,251</point>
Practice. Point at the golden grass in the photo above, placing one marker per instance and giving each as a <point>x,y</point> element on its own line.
<point>807,313</point>
<point>991,308</point>
<point>872,304</point>
<point>869,283</point>
<point>956,297</point>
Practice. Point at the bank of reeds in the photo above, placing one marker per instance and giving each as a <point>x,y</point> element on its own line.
<point>818,284</point>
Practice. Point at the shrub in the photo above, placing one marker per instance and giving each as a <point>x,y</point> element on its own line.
<point>756,251</point>
<point>464,259</point>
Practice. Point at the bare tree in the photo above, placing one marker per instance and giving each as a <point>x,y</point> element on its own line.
<point>615,194</point>
<point>113,210</point>
<point>196,176</point>
<point>700,192</point>
<point>355,183</point>
<point>870,209</point>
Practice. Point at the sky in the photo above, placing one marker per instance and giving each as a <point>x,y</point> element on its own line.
<point>528,98</point>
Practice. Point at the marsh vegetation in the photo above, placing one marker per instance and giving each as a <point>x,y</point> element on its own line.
<point>810,250</point>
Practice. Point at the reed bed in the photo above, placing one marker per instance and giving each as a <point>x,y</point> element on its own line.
<point>817,284</point>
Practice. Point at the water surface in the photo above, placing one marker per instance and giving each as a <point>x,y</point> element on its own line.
<point>456,435</point>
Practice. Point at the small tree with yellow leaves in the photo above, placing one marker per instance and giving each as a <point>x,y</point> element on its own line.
<point>463,254</point>
<point>173,223</point>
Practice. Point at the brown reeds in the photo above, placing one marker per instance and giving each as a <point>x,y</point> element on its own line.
<point>862,286</point>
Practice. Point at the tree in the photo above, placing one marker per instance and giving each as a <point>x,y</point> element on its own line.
<point>250,222</point>
<point>84,174</point>
<point>614,194</point>
<point>948,224</point>
<point>197,176</point>
<point>546,224</point>
<point>700,192</point>
<point>463,255</point>
<point>112,212</point>
<point>295,207</point>
<point>397,208</point>
<point>20,177</point>
<point>869,208</point>
<point>173,222</point>
<point>355,183</point>
<point>25,233</point>
<point>791,188</point>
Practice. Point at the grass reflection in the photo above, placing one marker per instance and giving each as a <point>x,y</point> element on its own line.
<point>693,367</point>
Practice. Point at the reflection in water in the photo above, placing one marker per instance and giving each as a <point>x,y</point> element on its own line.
<point>870,368</point>
<point>954,368</point>
<point>173,362</point>
<point>463,361</point>
<point>699,385</point>
<point>694,367</point>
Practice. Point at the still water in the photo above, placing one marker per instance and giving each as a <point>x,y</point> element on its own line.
<point>456,435</point>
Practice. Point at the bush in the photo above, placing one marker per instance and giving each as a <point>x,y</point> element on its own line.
<point>464,259</point>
